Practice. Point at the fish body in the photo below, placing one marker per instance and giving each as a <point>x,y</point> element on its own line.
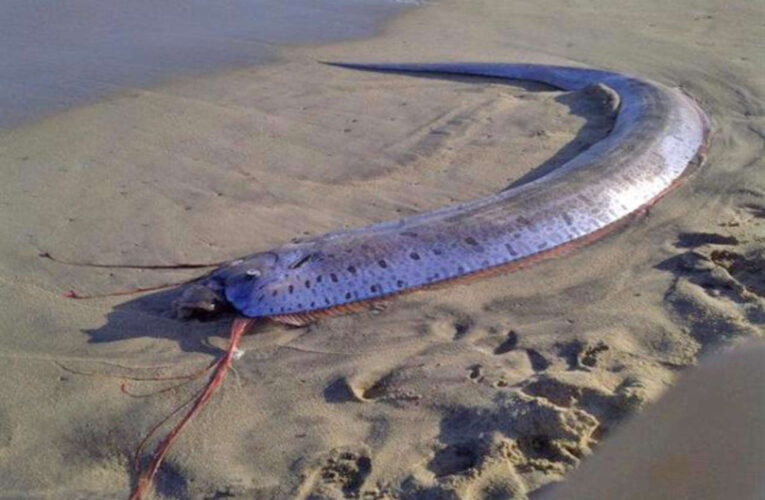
<point>658,133</point>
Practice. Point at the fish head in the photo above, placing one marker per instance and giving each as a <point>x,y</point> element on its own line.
<point>227,288</point>
<point>201,300</point>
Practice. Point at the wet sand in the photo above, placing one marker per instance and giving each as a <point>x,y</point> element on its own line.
<point>491,390</point>
<point>61,54</point>
<point>704,439</point>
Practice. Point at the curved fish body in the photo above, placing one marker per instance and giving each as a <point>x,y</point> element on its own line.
<point>658,133</point>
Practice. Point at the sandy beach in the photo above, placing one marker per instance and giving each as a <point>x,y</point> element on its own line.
<point>497,389</point>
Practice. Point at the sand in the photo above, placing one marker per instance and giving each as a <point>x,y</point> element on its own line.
<point>65,53</point>
<point>491,390</point>
<point>671,452</point>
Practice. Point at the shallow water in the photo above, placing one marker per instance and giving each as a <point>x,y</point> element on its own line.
<point>57,54</point>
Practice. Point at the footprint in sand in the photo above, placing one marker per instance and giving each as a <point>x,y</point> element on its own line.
<point>341,475</point>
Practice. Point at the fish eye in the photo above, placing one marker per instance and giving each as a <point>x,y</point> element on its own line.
<point>254,273</point>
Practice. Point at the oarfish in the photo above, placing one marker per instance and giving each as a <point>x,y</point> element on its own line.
<point>658,133</point>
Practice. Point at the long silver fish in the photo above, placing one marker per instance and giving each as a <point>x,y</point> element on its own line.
<point>659,132</point>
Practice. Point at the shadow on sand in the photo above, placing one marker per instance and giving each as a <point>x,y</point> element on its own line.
<point>152,316</point>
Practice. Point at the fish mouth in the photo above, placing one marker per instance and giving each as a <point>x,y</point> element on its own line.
<point>202,302</point>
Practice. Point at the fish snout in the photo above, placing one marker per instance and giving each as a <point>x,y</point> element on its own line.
<point>200,302</point>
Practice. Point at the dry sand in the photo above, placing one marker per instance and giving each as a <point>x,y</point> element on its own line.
<point>491,390</point>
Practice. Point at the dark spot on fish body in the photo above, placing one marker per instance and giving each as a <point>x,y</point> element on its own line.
<point>414,256</point>
<point>308,283</point>
<point>400,283</point>
<point>319,279</point>
<point>409,234</point>
<point>474,244</point>
<point>437,251</point>
<point>333,277</point>
<point>352,270</point>
<point>567,218</point>
<point>291,289</point>
<point>511,250</point>
<point>382,263</point>
<point>348,295</point>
